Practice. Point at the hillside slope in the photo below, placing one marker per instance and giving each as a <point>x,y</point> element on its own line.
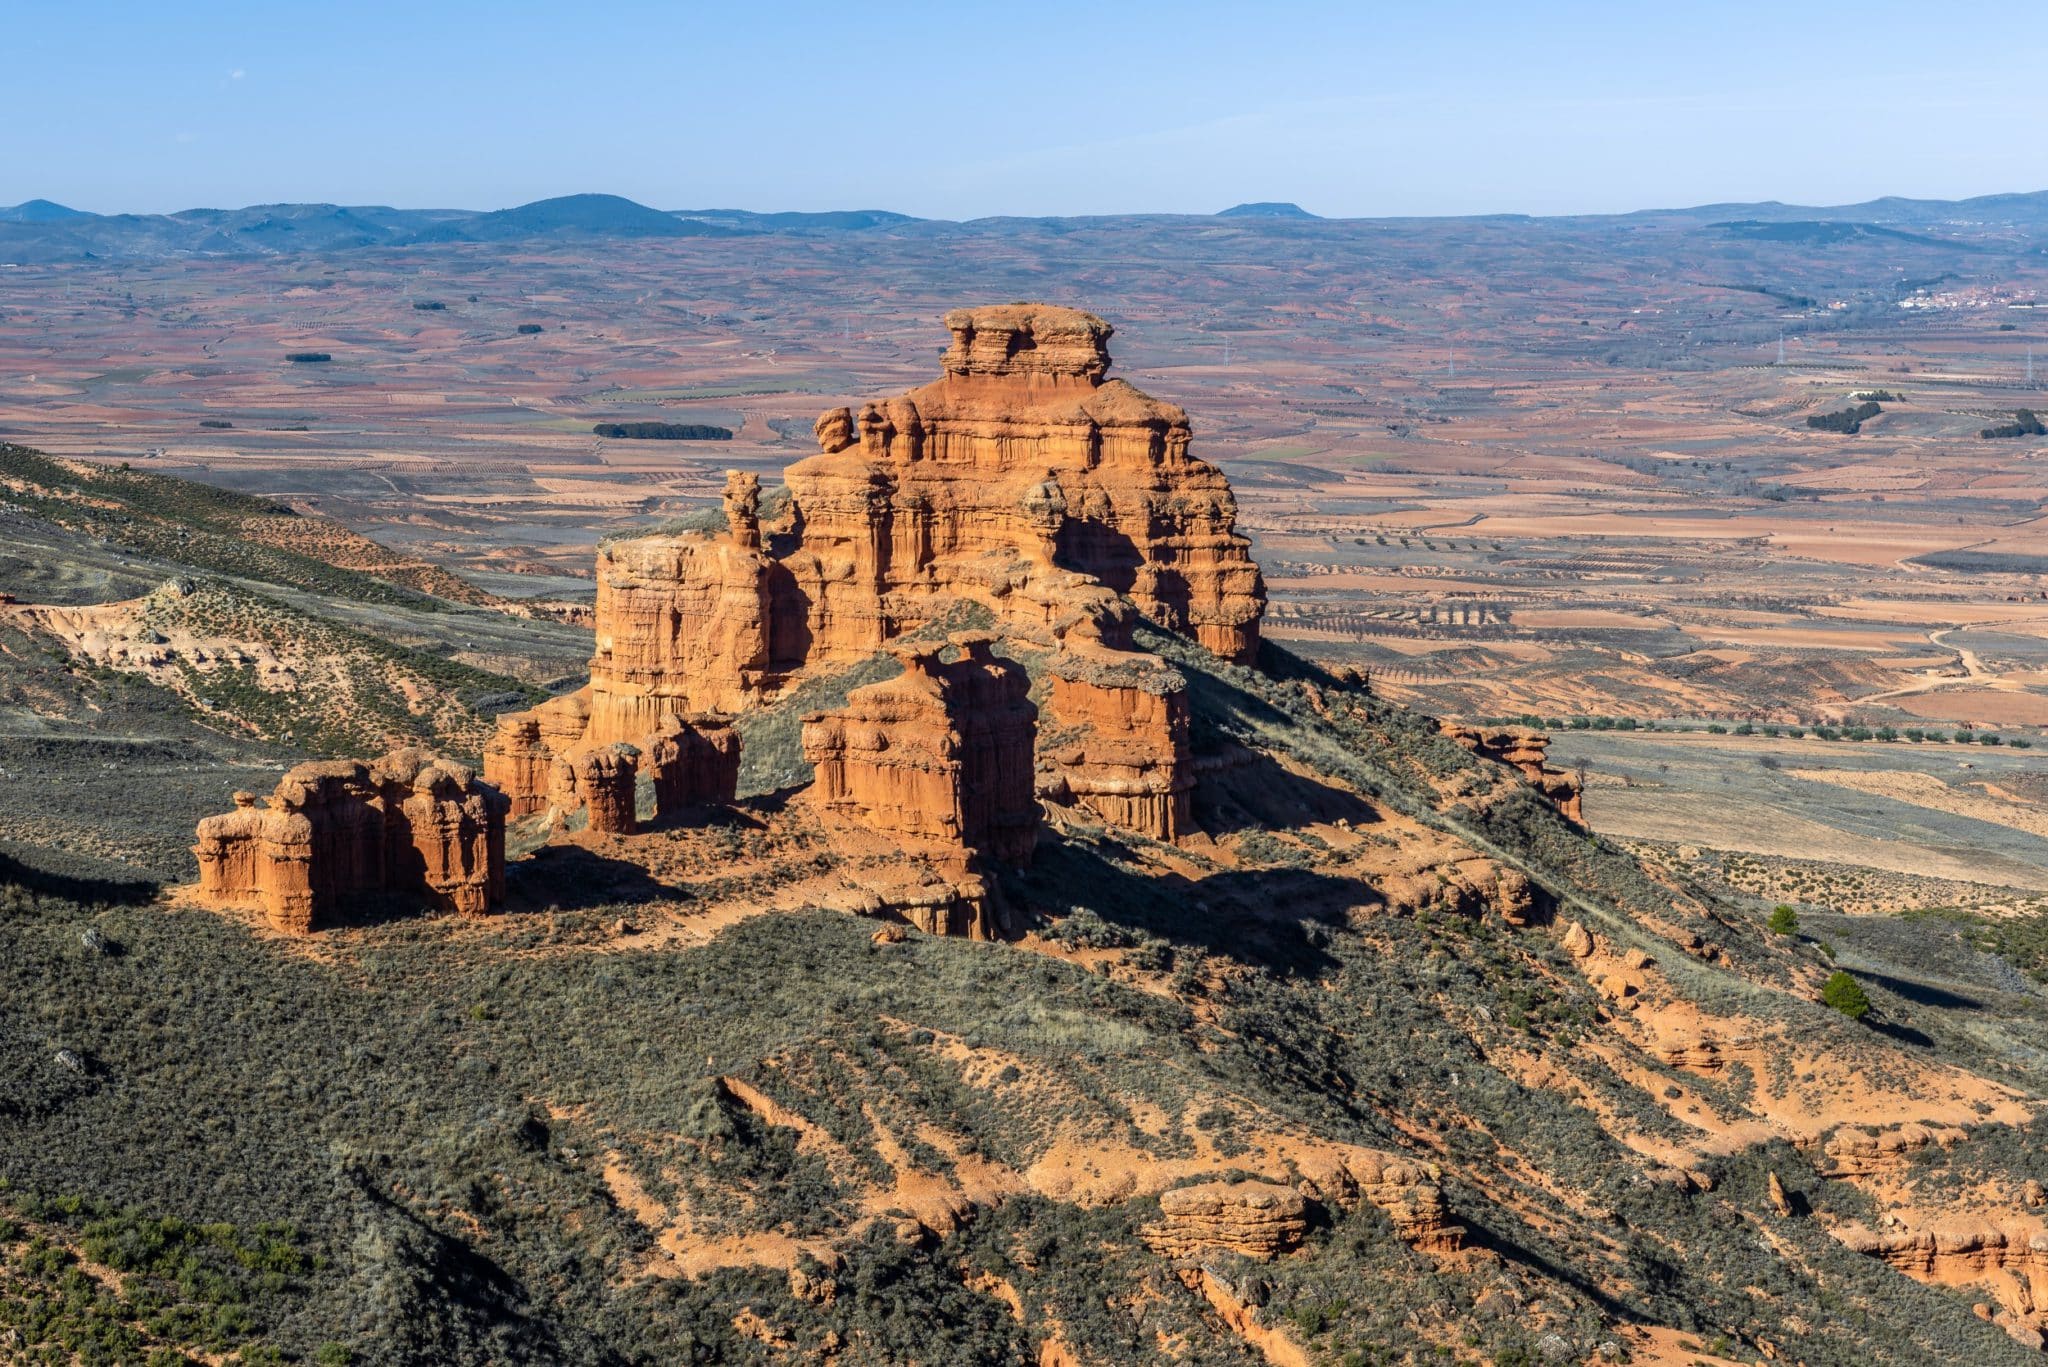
<point>169,643</point>
<point>669,1114</point>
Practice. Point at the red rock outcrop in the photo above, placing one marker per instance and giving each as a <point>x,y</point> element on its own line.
<point>940,753</point>
<point>2010,1261</point>
<point>1525,752</point>
<point>683,623</point>
<point>519,760</point>
<point>1118,736</point>
<point>1023,479</point>
<point>1021,462</point>
<point>1257,1219</point>
<point>408,823</point>
<point>938,762</point>
<point>601,780</point>
<point>694,761</point>
<point>1404,1190</point>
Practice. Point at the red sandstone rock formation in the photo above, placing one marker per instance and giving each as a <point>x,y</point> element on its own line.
<point>1404,1190</point>
<point>1525,752</point>
<point>694,761</point>
<point>2010,1261</point>
<point>602,780</point>
<point>683,624</point>
<point>938,761</point>
<point>408,823</point>
<point>520,759</point>
<point>1022,479</point>
<point>1260,1220</point>
<point>1021,462</point>
<point>1118,736</point>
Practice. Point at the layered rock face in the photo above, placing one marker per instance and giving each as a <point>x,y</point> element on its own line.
<point>694,761</point>
<point>937,762</point>
<point>1259,1220</point>
<point>942,752</point>
<point>2009,1262</point>
<point>408,823</point>
<point>1023,479</point>
<point>519,760</point>
<point>1526,753</point>
<point>601,780</point>
<point>1121,744</point>
<point>1020,462</point>
<point>683,624</point>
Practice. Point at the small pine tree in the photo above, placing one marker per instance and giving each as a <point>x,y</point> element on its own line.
<point>1784,920</point>
<point>1845,994</point>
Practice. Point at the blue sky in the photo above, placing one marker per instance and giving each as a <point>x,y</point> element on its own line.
<point>1035,107</point>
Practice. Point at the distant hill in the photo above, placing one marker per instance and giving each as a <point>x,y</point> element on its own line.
<point>40,211</point>
<point>2028,209</point>
<point>572,216</point>
<point>41,231</point>
<point>1824,232</point>
<point>834,221</point>
<point>1267,209</point>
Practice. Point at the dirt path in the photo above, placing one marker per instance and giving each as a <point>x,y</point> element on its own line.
<point>1975,673</point>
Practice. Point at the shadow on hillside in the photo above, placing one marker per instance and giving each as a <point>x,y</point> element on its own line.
<point>1922,994</point>
<point>1900,1032</point>
<point>1265,918</point>
<point>571,878</point>
<point>709,816</point>
<point>1253,791</point>
<point>445,1279</point>
<point>73,888</point>
<point>1477,1235</point>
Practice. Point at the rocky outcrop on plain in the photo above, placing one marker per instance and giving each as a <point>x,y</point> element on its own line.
<point>1024,480</point>
<point>936,762</point>
<point>1525,752</point>
<point>409,824</point>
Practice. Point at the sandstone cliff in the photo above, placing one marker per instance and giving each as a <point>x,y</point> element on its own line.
<point>937,762</point>
<point>408,823</point>
<point>1120,747</point>
<point>1020,461</point>
<point>1022,479</point>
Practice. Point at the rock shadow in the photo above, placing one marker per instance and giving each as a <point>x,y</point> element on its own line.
<point>572,878</point>
<point>1240,789</point>
<point>1099,551</point>
<point>716,816</point>
<point>1274,919</point>
<point>87,891</point>
<point>1922,994</point>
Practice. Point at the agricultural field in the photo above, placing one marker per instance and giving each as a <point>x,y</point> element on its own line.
<point>1545,466</point>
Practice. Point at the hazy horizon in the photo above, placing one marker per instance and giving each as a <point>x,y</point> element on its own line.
<point>886,208</point>
<point>1581,109</point>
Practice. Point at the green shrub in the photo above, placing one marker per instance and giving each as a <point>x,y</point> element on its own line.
<point>1784,920</point>
<point>1846,995</point>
